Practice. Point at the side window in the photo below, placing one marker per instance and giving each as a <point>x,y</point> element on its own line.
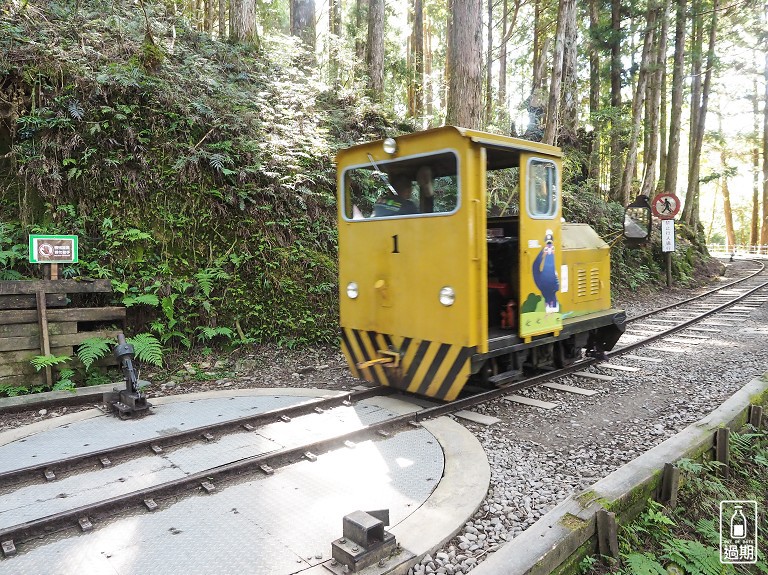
<point>411,186</point>
<point>542,196</point>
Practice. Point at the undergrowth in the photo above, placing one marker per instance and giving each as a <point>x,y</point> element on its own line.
<point>202,186</point>
<point>686,540</point>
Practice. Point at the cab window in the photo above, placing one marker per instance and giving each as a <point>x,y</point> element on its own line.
<point>407,187</point>
<point>542,196</point>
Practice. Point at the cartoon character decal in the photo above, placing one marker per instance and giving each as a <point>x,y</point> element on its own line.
<point>545,275</point>
<point>541,313</point>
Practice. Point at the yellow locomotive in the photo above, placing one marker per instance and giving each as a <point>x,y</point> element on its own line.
<point>455,265</point>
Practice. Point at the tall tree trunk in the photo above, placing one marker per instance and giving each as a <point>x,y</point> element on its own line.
<point>334,40</point>
<point>448,57</point>
<point>727,212</point>
<point>536,102</point>
<point>764,228</point>
<point>244,26</point>
<point>428,82</point>
<point>691,207</point>
<point>415,59</point>
<point>650,152</point>
<point>222,19</point>
<point>375,54</point>
<point>464,106</point>
<point>501,93</point>
<point>676,105</point>
<point>550,130</point>
<point>725,171</point>
<point>594,91</point>
<point>637,103</point>
<point>570,96</point>
<point>489,67</point>
<point>418,60</point>
<point>617,157</point>
<point>663,128</point>
<point>361,23</point>
<point>303,22</point>
<point>754,228</point>
<point>210,15</point>
<point>508,26</point>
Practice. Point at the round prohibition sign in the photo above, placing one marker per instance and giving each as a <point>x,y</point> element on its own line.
<point>665,206</point>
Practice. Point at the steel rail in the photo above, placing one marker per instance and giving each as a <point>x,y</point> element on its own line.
<point>174,439</point>
<point>697,297</point>
<point>104,510</point>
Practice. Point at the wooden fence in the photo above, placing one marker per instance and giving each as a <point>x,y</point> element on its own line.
<point>35,320</point>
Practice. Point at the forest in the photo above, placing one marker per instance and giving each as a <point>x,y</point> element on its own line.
<point>190,144</point>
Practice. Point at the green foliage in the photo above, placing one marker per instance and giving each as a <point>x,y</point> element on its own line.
<point>147,348</point>
<point>146,299</point>
<point>43,361</point>
<point>12,251</point>
<point>687,540</point>
<point>209,333</point>
<point>92,349</point>
<point>205,202</point>
<point>643,564</point>
<point>64,383</point>
<point>694,557</point>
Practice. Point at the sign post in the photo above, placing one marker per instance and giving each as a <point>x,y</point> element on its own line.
<point>665,207</point>
<point>53,250</point>
<point>668,245</point>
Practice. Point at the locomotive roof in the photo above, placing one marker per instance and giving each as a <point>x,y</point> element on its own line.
<point>503,151</point>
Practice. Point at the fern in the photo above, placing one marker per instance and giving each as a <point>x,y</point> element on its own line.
<point>147,348</point>
<point>690,466</point>
<point>43,361</point>
<point>65,382</point>
<point>147,299</point>
<point>743,443</point>
<point>92,349</point>
<point>708,529</point>
<point>75,110</point>
<point>208,333</point>
<point>10,275</point>
<point>644,564</point>
<point>206,277</point>
<point>696,558</point>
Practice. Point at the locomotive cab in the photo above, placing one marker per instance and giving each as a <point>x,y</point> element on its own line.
<point>454,264</point>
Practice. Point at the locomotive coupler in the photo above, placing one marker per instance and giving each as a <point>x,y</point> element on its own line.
<point>131,400</point>
<point>390,358</point>
<point>365,543</point>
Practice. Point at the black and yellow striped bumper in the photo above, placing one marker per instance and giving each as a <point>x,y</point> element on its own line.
<point>429,368</point>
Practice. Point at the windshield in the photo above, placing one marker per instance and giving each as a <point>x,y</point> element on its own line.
<point>413,186</point>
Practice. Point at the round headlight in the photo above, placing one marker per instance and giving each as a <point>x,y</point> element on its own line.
<point>447,296</point>
<point>352,290</point>
<point>390,146</point>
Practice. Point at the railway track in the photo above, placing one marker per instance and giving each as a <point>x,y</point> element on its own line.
<point>51,473</point>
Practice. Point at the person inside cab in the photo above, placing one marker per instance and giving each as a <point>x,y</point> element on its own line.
<point>398,204</point>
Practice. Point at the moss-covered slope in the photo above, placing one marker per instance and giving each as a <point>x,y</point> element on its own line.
<point>198,174</point>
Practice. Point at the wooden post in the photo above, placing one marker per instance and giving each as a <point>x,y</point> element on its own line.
<point>607,534</point>
<point>45,342</point>
<point>756,416</point>
<point>54,271</point>
<point>669,484</point>
<point>721,451</point>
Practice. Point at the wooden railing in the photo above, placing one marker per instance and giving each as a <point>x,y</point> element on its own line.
<point>35,320</point>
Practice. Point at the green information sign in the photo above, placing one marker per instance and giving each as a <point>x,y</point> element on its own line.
<point>52,249</point>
